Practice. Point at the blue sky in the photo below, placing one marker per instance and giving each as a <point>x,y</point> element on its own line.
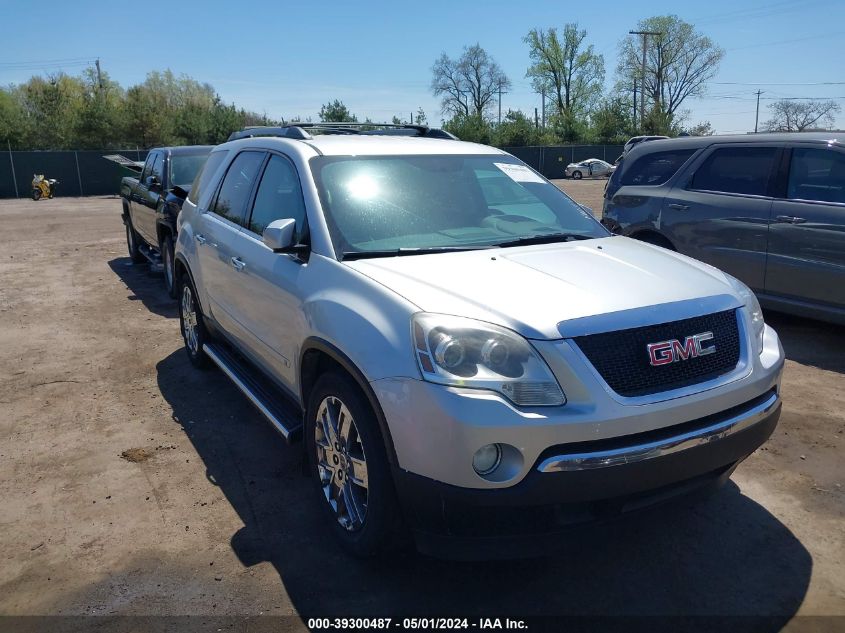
<point>286,59</point>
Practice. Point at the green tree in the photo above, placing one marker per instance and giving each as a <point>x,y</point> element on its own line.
<point>421,119</point>
<point>473,128</point>
<point>567,70</point>
<point>611,122</point>
<point>53,106</point>
<point>14,124</point>
<point>336,111</point>
<point>515,130</point>
<point>679,62</point>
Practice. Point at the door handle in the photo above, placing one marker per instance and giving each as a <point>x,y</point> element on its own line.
<point>238,264</point>
<point>790,219</point>
<point>200,238</point>
<point>679,207</point>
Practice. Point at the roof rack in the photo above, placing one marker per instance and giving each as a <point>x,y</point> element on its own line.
<point>300,131</point>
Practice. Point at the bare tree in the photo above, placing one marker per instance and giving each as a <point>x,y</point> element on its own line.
<point>566,70</point>
<point>467,85</point>
<point>789,115</point>
<point>679,63</point>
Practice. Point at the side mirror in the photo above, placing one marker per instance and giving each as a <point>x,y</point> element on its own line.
<point>279,235</point>
<point>152,182</point>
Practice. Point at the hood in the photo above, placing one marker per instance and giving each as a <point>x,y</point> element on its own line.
<point>537,290</point>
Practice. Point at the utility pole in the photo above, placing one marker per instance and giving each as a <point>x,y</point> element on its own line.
<point>635,104</point>
<point>757,116</point>
<point>99,74</point>
<point>500,102</point>
<point>645,35</point>
<point>543,103</point>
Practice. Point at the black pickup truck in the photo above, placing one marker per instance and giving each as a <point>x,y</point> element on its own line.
<point>152,201</point>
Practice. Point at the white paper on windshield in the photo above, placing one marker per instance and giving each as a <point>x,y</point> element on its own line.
<point>519,173</point>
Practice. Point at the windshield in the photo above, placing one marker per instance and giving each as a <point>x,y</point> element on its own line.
<point>379,203</point>
<point>184,168</point>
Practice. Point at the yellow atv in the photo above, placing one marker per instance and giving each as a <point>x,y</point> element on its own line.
<point>43,187</point>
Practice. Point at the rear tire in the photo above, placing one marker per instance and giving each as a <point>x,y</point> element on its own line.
<point>345,449</point>
<point>168,264</point>
<point>133,243</point>
<point>194,332</point>
<point>577,175</point>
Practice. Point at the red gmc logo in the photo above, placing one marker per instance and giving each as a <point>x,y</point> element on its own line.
<point>666,352</point>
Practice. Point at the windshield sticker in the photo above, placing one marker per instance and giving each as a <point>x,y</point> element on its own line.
<point>519,173</point>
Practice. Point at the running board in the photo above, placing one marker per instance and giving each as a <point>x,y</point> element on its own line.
<point>152,256</point>
<point>268,399</point>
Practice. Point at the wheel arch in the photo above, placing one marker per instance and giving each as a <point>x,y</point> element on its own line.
<point>651,236</point>
<point>316,357</point>
<point>180,268</point>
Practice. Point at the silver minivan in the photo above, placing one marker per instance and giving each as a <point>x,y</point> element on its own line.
<point>767,208</point>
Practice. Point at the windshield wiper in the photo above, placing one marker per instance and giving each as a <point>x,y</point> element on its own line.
<point>548,238</point>
<point>400,252</point>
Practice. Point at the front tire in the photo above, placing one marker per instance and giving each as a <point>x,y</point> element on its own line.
<point>348,461</point>
<point>168,264</point>
<point>577,175</point>
<point>36,194</point>
<point>194,332</point>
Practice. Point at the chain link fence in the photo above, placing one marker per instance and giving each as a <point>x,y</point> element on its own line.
<point>87,173</point>
<point>551,161</point>
<point>80,173</point>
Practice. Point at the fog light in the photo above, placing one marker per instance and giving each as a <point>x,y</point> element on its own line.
<point>487,458</point>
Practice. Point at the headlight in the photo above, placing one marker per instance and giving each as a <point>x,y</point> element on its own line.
<point>467,353</point>
<point>752,308</point>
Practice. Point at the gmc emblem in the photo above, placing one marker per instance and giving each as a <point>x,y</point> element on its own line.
<point>666,352</point>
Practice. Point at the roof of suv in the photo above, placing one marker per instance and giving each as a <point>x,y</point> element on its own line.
<point>362,144</point>
<point>693,142</point>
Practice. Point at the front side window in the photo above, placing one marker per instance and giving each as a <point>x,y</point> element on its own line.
<point>279,197</point>
<point>158,167</point>
<point>237,186</point>
<point>817,174</point>
<point>655,168</point>
<point>148,166</point>
<point>385,203</point>
<point>743,170</point>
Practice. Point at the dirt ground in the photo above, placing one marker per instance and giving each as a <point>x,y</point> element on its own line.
<point>132,484</point>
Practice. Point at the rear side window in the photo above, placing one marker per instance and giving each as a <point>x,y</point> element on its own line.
<point>817,174</point>
<point>744,170</point>
<point>237,186</point>
<point>655,168</point>
<point>204,175</point>
<point>279,196</point>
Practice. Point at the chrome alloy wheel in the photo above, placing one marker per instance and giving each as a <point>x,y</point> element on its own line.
<point>341,463</point>
<point>189,320</point>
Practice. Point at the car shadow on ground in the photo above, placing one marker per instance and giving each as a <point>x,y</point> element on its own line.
<point>145,286</point>
<point>809,342</point>
<point>723,554</point>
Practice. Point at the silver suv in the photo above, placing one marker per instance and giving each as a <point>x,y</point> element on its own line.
<point>465,350</point>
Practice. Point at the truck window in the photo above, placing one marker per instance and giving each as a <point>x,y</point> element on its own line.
<point>148,166</point>
<point>158,167</point>
<point>205,174</point>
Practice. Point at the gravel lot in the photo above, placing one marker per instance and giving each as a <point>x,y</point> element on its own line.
<point>132,484</point>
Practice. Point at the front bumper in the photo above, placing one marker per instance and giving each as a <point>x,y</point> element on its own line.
<point>583,483</point>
